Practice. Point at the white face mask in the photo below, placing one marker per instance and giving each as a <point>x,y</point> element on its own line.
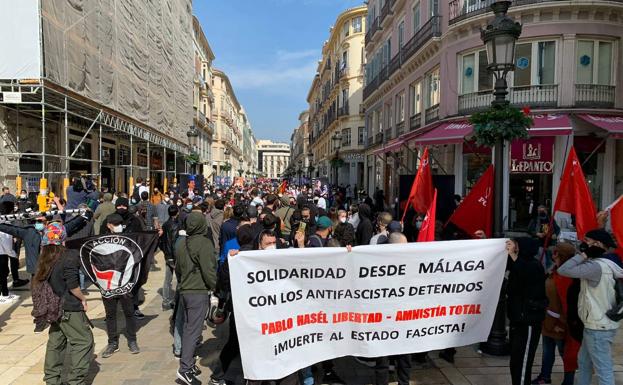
<point>271,247</point>
<point>117,229</point>
<point>23,196</point>
<point>343,220</point>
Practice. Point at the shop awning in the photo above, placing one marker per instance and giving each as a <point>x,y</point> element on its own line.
<point>393,145</point>
<point>446,133</point>
<point>611,123</point>
<point>550,125</point>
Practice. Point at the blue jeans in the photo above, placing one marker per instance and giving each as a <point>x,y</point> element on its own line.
<point>168,297</point>
<point>549,355</point>
<point>306,376</point>
<point>596,352</point>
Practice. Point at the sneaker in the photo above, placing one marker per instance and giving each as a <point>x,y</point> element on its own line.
<point>177,355</point>
<point>541,380</point>
<point>196,370</point>
<point>188,378</point>
<point>110,350</point>
<point>138,314</point>
<point>6,299</point>
<point>40,328</point>
<point>133,346</point>
<point>214,381</point>
<point>332,378</point>
<point>20,283</point>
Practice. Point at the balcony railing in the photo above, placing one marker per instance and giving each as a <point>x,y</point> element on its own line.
<point>400,128</point>
<point>415,121</point>
<point>386,10</point>
<point>342,111</point>
<point>429,30</point>
<point>462,9</point>
<point>542,96</point>
<point>395,63</point>
<point>378,138</point>
<point>374,26</point>
<point>594,95</point>
<point>432,114</point>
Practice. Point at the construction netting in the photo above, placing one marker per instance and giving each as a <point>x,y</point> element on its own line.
<point>135,57</point>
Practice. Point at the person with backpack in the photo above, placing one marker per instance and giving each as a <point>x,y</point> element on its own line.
<point>170,230</point>
<point>600,272</point>
<point>323,230</point>
<point>196,269</point>
<point>139,188</point>
<point>58,301</point>
<point>114,225</point>
<point>146,212</point>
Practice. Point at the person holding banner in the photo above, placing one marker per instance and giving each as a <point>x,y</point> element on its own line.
<point>196,269</point>
<point>527,302</point>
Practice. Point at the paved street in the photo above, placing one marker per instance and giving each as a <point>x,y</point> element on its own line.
<point>23,352</point>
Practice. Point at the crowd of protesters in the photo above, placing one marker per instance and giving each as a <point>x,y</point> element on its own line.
<point>556,292</point>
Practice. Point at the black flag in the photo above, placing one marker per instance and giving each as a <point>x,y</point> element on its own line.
<point>117,263</point>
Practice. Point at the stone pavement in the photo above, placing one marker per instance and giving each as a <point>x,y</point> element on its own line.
<point>23,352</point>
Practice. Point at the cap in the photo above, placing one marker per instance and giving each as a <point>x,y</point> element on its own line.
<point>54,234</point>
<point>122,202</point>
<point>114,219</point>
<point>323,223</point>
<point>394,227</point>
<point>602,236</point>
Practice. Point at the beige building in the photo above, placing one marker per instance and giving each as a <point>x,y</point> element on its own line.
<point>335,99</point>
<point>299,158</point>
<point>227,155</point>
<point>273,158</point>
<point>203,99</point>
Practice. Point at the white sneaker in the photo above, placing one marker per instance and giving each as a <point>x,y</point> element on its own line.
<point>8,299</point>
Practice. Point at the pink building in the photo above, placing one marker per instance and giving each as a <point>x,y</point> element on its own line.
<point>426,72</point>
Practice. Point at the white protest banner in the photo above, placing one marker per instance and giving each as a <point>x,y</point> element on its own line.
<point>297,307</point>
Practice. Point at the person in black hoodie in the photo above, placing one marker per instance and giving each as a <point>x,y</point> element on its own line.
<point>365,230</point>
<point>526,304</point>
<point>170,230</point>
<point>131,223</point>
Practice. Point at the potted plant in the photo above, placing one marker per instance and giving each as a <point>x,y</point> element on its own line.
<point>500,122</point>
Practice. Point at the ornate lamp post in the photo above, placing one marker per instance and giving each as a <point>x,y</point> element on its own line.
<point>499,37</point>
<point>193,134</point>
<point>337,142</point>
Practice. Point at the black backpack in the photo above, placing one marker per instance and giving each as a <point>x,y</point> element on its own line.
<point>616,313</point>
<point>136,197</point>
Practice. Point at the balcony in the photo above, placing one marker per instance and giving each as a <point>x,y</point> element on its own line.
<point>378,138</point>
<point>374,26</point>
<point>342,111</point>
<point>211,127</point>
<point>400,128</point>
<point>415,121</point>
<point>594,95</point>
<point>431,114</point>
<point>429,30</point>
<point>538,96</point>
<point>395,63</point>
<point>386,10</point>
<point>463,9</point>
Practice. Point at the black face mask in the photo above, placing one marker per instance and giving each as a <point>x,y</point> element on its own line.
<point>122,212</point>
<point>594,252</point>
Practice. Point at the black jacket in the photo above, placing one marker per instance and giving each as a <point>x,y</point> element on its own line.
<point>32,237</point>
<point>527,300</point>
<point>131,224</point>
<point>365,230</point>
<point>170,230</point>
<point>65,277</point>
<point>345,233</point>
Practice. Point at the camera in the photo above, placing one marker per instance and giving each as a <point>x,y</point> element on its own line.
<point>583,247</point>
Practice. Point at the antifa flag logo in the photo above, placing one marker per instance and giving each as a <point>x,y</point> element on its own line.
<point>116,263</point>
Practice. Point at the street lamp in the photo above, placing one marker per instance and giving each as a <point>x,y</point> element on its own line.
<point>337,141</point>
<point>193,134</point>
<point>499,37</point>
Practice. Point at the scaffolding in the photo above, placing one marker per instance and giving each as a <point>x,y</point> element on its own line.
<point>46,102</point>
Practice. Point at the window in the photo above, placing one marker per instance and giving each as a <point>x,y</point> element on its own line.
<point>346,137</point>
<point>433,91</point>
<point>415,92</point>
<point>344,59</point>
<point>474,74</point>
<point>535,63</point>
<point>401,34</point>
<point>357,25</point>
<point>361,136</point>
<point>346,29</point>
<point>400,107</point>
<point>416,17</point>
<point>433,6</point>
<point>345,97</point>
<point>594,62</point>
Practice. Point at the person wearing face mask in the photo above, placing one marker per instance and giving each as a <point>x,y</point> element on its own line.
<point>157,197</point>
<point>365,229</point>
<point>381,236</point>
<point>344,232</point>
<point>162,210</point>
<point>598,269</point>
<point>114,225</point>
<point>103,210</point>
<point>539,227</point>
<point>130,223</point>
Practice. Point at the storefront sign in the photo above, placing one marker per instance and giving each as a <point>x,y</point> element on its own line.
<point>532,156</point>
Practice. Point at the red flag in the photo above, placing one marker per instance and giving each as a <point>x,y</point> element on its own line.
<point>282,187</point>
<point>574,197</point>
<point>427,231</point>
<point>421,194</point>
<point>616,220</point>
<point>476,210</point>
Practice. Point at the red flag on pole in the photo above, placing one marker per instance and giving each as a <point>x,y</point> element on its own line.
<point>574,197</point>
<point>421,194</point>
<point>476,210</point>
<point>427,231</point>
<point>616,220</point>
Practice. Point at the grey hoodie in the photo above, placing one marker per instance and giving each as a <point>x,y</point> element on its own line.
<point>215,220</point>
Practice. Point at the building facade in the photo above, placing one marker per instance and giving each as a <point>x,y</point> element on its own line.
<point>299,157</point>
<point>336,120</point>
<point>203,99</point>
<point>426,72</point>
<point>227,153</point>
<point>273,158</point>
<point>249,151</point>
